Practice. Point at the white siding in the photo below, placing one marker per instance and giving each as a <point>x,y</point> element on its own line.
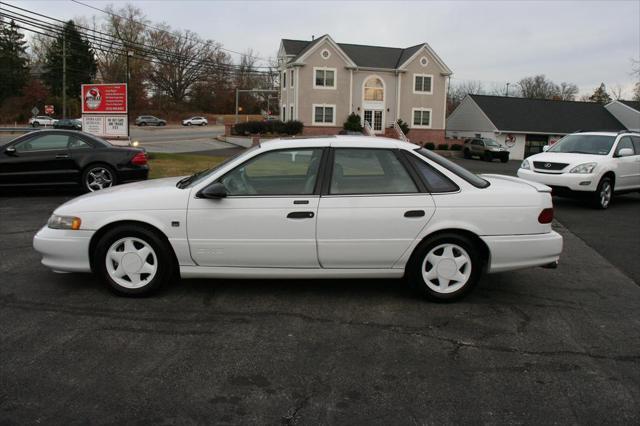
<point>468,117</point>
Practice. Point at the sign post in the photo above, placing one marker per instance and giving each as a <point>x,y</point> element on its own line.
<point>105,110</point>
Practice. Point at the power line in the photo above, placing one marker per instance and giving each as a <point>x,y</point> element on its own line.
<point>152,27</point>
<point>125,45</point>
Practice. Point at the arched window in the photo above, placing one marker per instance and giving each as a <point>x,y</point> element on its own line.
<point>374,90</point>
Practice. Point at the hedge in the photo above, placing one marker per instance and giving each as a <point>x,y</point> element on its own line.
<point>276,127</point>
<point>430,145</point>
<point>443,147</point>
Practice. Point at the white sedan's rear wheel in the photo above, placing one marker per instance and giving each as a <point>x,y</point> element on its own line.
<point>133,260</point>
<point>445,267</point>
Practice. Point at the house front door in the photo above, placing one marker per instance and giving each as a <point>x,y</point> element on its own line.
<point>374,117</point>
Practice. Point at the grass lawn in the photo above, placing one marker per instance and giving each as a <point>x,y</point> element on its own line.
<point>166,165</point>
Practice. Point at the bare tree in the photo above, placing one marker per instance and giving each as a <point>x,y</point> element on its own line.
<point>538,87</point>
<point>458,91</point>
<point>617,92</point>
<point>182,59</point>
<point>567,91</point>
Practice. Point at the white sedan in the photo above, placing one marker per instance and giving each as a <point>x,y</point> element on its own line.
<point>336,207</point>
<point>195,121</point>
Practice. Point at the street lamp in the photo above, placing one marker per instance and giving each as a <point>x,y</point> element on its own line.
<point>129,54</point>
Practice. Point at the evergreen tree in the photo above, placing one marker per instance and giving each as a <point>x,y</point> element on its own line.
<point>13,60</point>
<point>81,63</point>
<point>600,95</point>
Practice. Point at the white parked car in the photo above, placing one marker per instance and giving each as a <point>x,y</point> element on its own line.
<point>195,121</point>
<point>42,120</point>
<point>597,164</point>
<point>336,207</point>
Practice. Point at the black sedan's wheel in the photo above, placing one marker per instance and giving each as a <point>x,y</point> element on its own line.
<point>445,267</point>
<point>504,159</point>
<point>133,261</point>
<point>603,195</point>
<point>466,154</point>
<point>97,177</point>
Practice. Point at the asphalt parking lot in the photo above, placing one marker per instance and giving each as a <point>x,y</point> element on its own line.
<point>532,346</point>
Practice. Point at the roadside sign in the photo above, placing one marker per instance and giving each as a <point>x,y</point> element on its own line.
<point>104,98</point>
<point>48,109</point>
<point>35,111</point>
<point>106,126</point>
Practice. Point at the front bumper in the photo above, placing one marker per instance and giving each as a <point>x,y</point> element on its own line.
<point>570,181</point>
<point>509,252</point>
<point>64,250</point>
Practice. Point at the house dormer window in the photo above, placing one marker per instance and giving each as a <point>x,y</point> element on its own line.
<point>324,78</point>
<point>374,90</point>
<point>423,84</point>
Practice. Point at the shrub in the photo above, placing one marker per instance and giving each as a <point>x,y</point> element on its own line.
<point>443,147</point>
<point>456,147</point>
<point>353,123</point>
<point>403,126</point>
<point>249,128</point>
<point>430,145</point>
<point>293,127</point>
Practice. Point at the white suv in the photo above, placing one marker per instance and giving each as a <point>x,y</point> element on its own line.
<point>596,163</point>
<point>42,120</point>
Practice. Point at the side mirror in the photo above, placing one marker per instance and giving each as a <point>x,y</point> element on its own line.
<point>10,151</point>
<point>545,148</point>
<point>214,191</point>
<point>625,152</point>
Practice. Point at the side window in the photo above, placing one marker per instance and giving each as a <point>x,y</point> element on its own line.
<point>43,143</point>
<point>636,143</point>
<point>75,143</point>
<point>433,178</point>
<point>284,172</point>
<point>369,171</point>
<point>625,142</point>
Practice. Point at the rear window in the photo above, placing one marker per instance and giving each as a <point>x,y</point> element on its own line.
<point>459,171</point>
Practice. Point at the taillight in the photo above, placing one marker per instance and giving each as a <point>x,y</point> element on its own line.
<point>546,215</point>
<point>140,159</point>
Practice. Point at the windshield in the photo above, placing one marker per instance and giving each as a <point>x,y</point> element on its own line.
<point>490,142</point>
<point>584,144</point>
<point>460,171</point>
<point>203,174</point>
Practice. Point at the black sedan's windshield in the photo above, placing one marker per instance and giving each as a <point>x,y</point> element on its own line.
<point>584,144</point>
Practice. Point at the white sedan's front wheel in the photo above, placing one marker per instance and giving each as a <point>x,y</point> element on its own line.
<point>445,267</point>
<point>133,260</point>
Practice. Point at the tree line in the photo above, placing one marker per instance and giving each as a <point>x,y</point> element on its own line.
<point>537,87</point>
<point>171,72</point>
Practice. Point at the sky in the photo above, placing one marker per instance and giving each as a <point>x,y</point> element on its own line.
<point>496,42</point>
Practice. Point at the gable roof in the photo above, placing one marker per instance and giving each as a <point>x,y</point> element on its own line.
<point>545,116</point>
<point>362,55</point>
<point>631,104</point>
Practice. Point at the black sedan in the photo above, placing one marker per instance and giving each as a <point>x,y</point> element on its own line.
<point>48,158</point>
<point>68,123</point>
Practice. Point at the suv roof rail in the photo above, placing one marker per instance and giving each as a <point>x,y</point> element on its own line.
<point>605,130</point>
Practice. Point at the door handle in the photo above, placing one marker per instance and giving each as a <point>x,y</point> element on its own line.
<point>61,156</point>
<point>300,201</point>
<point>414,213</point>
<point>300,215</point>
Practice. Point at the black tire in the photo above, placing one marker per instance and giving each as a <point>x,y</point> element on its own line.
<point>35,124</point>
<point>466,154</point>
<point>504,159</point>
<point>144,123</point>
<point>487,156</point>
<point>166,267</point>
<point>189,124</point>
<point>93,168</point>
<point>162,124</point>
<point>203,124</point>
<point>599,199</point>
<point>418,260</point>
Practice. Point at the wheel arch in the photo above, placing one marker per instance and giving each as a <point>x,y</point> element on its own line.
<point>610,174</point>
<point>112,225</point>
<point>482,247</point>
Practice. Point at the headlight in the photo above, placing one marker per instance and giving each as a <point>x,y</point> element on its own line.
<point>64,222</point>
<point>585,168</point>
<point>525,164</point>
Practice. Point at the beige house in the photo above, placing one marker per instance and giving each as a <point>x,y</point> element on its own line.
<point>322,82</point>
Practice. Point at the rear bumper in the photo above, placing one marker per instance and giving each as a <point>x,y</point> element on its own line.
<point>567,181</point>
<point>509,252</point>
<point>133,174</point>
<point>64,250</point>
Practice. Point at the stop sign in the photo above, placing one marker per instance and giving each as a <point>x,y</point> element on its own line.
<point>48,109</point>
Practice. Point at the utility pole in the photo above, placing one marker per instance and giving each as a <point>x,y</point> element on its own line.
<point>129,54</point>
<point>508,89</point>
<point>64,74</point>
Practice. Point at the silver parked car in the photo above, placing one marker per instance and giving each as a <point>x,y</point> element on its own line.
<point>195,121</point>
<point>485,149</point>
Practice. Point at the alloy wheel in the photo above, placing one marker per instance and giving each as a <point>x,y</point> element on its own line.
<point>446,268</point>
<point>131,262</point>
<point>605,194</point>
<point>99,178</point>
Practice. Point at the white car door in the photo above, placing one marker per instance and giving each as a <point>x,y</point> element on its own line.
<point>628,168</point>
<point>371,209</point>
<point>268,218</point>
